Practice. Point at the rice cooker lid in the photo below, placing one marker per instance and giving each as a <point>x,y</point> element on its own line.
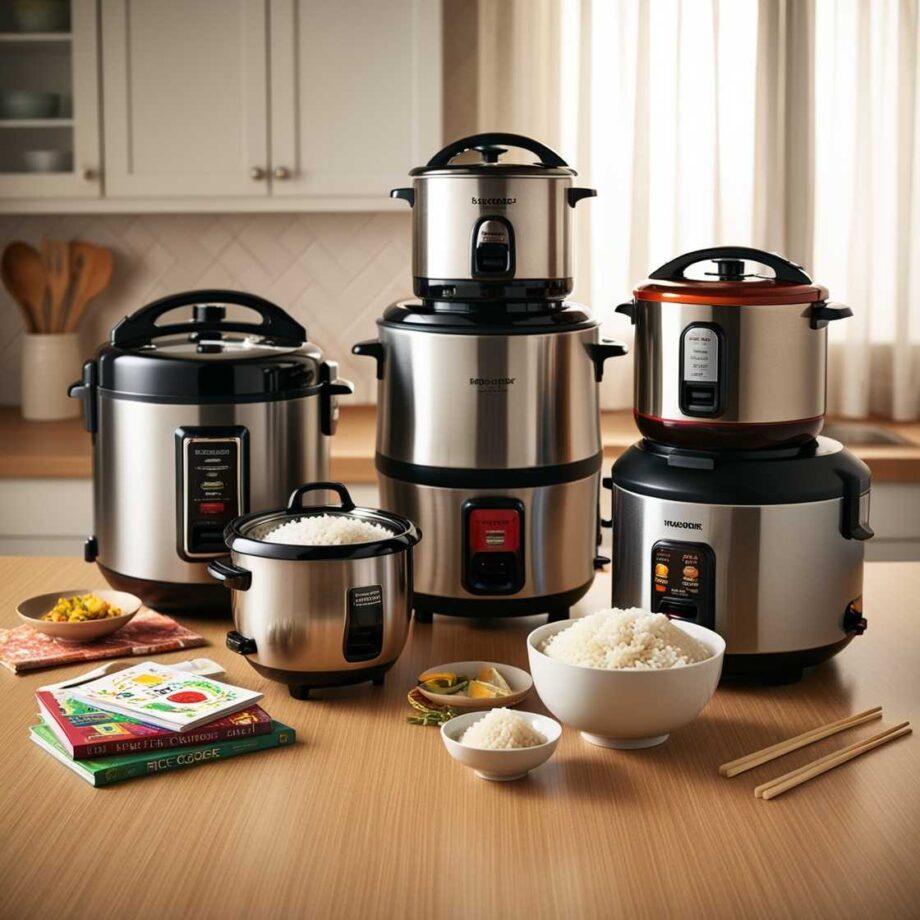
<point>245,535</point>
<point>491,147</point>
<point>208,358</point>
<point>819,471</point>
<point>728,282</point>
<point>487,317</point>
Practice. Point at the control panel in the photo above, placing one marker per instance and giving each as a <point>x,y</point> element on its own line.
<point>493,541</point>
<point>701,370</point>
<point>683,581</point>
<point>493,248</point>
<point>364,623</point>
<point>212,473</point>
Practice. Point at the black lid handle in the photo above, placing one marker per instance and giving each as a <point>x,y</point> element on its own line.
<point>141,327</point>
<point>782,267</point>
<point>295,502</point>
<point>599,352</point>
<point>491,140</point>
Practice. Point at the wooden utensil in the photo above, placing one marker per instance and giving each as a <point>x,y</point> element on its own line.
<point>24,278</point>
<point>91,268</point>
<point>57,269</point>
<point>823,764</point>
<point>749,761</point>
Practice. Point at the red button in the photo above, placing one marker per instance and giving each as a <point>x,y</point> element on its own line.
<point>212,507</point>
<point>494,530</point>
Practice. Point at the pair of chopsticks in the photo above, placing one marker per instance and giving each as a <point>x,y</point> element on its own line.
<point>809,771</point>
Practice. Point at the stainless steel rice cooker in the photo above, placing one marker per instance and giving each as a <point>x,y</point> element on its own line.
<point>493,229</point>
<point>735,360</point>
<point>319,616</point>
<point>488,435</point>
<point>195,422</point>
<point>766,547</point>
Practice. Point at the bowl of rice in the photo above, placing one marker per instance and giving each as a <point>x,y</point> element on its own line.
<point>625,678</point>
<point>501,744</point>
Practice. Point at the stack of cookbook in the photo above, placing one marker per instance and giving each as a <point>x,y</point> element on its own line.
<point>150,718</point>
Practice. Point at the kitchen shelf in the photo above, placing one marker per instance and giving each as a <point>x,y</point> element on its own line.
<point>36,122</point>
<point>35,38</point>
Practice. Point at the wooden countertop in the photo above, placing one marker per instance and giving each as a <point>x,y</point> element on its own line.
<point>50,450</point>
<point>368,816</point>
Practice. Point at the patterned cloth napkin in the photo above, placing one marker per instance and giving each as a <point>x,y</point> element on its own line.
<point>24,649</point>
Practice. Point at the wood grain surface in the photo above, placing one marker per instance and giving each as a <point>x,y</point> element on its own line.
<point>369,817</point>
<point>48,450</point>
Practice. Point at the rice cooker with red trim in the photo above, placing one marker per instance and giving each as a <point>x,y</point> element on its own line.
<point>736,359</point>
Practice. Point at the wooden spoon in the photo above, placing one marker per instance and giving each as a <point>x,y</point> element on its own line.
<point>24,277</point>
<point>91,268</point>
<point>57,267</point>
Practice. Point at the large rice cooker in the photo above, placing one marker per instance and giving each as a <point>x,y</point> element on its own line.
<point>195,422</point>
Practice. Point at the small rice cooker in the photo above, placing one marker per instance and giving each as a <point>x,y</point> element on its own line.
<point>325,615</point>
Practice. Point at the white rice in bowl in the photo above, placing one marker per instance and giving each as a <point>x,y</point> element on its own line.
<point>327,530</point>
<point>633,639</point>
<point>501,730</point>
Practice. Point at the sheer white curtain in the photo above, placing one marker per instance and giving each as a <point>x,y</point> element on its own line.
<point>791,126</point>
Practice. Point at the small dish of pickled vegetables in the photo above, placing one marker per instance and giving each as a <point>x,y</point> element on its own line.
<point>475,684</point>
<point>79,616</point>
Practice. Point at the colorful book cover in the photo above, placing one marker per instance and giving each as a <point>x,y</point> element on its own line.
<point>129,766</point>
<point>86,732</point>
<point>24,649</point>
<point>166,697</point>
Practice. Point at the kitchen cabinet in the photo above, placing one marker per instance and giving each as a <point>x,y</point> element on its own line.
<point>355,97</point>
<point>62,63</point>
<point>185,98</point>
<point>238,105</point>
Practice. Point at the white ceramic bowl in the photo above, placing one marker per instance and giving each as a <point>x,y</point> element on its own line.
<point>47,161</point>
<point>31,611</point>
<point>520,682</point>
<point>501,765</point>
<point>26,103</point>
<point>625,708</point>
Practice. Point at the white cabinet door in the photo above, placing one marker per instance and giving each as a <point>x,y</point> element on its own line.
<point>65,63</point>
<point>356,96</point>
<point>185,98</point>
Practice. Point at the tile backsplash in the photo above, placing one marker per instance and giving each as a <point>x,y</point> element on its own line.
<point>334,272</point>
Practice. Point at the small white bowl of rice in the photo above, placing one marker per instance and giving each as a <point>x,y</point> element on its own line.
<point>625,678</point>
<point>501,744</point>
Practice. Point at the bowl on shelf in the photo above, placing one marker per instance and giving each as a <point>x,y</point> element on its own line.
<point>41,15</point>
<point>520,682</point>
<point>31,611</point>
<point>625,708</point>
<point>506,764</point>
<point>27,103</point>
<point>47,161</point>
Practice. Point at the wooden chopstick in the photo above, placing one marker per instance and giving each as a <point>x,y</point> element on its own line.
<point>822,765</point>
<point>781,748</point>
<point>759,790</point>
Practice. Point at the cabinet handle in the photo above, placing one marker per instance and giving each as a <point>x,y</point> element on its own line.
<point>89,175</point>
<point>282,172</point>
<point>256,173</point>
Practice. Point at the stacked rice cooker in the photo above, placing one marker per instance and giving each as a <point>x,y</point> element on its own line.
<point>733,512</point>
<point>488,430</point>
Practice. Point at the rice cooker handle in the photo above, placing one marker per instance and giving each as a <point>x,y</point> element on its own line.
<point>599,352</point>
<point>295,502</point>
<point>784,269</point>
<point>547,156</point>
<point>141,327</point>
<point>232,576</point>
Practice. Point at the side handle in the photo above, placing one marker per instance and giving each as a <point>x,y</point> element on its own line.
<point>240,644</point>
<point>574,195</point>
<point>628,309</point>
<point>825,311</point>
<point>332,388</point>
<point>855,523</point>
<point>232,576</point>
<point>85,390</point>
<point>406,194</point>
<point>371,348</point>
<point>599,352</point>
